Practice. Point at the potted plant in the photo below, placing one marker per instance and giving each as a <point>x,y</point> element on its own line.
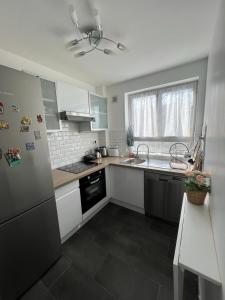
<point>197,186</point>
<point>130,140</point>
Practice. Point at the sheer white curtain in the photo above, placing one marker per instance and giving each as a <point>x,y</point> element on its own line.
<point>163,113</point>
<point>143,114</point>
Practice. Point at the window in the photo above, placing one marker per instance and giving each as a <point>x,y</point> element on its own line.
<point>166,114</point>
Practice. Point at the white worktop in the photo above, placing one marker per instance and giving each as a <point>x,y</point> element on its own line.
<point>197,252</point>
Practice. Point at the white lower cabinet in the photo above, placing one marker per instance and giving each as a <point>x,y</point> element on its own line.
<point>68,204</point>
<point>127,187</point>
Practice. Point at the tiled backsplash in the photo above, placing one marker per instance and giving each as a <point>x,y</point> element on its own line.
<point>69,145</point>
<point>118,138</point>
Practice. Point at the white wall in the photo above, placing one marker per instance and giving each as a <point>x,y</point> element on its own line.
<point>215,146</point>
<point>116,110</point>
<point>117,126</point>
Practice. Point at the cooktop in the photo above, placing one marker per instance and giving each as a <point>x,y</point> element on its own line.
<point>78,167</point>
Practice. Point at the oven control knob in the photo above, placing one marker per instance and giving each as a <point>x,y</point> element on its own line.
<point>89,177</point>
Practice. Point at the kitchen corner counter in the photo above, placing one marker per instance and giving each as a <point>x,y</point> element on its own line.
<point>61,178</point>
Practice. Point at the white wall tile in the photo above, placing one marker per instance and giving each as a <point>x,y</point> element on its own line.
<point>69,145</point>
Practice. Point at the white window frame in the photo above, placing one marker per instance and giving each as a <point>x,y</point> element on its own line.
<point>158,87</point>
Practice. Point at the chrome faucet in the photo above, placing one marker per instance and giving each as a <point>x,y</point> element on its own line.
<point>145,146</point>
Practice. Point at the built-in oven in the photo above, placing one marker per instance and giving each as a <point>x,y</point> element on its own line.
<point>92,189</point>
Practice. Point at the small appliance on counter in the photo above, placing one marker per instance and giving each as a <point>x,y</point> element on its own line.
<point>103,151</point>
<point>113,151</point>
<point>98,153</point>
<point>89,157</point>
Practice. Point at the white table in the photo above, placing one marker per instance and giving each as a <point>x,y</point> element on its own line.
<point>195,248</point>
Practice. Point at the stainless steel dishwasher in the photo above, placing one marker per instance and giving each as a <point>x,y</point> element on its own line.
<point>163,196</point>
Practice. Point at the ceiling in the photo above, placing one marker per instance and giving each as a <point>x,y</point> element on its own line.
<point>158,34</point>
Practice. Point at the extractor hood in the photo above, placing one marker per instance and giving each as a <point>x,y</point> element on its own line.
<point>76,117</point>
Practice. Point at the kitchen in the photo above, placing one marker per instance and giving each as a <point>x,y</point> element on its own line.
<point>94,164</point>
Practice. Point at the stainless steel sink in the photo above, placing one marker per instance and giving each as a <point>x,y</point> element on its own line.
<point>148,163</point>
<point>157,163</point>
<point>133,161</point>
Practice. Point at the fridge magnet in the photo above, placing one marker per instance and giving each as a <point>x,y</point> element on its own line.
<point>13,157</point>
<point>0,153</point>
<point>1,108</point>
<point>26,121</point>
<point>37,135</point>
<point>4,125</point>
<point>39,119</point>
<point>24,128</point>
<point>14,108</point>
<point>30,146</point>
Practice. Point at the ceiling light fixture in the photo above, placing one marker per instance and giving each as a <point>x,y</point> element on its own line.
<point>93,36</point>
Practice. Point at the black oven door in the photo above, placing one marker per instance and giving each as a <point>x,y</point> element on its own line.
<point>92,189</point>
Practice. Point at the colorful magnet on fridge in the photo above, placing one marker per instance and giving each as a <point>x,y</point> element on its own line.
<point>26,121</point>
<point>37,135</point>
<point>24,128</point>
<point>14,108</point>
<point>4,125</point>
<point>39,119</point>
<point>13,157</point>
<point>1,108</point>
<point>30,146</point>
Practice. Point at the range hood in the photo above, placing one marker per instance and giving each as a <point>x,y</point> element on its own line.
<point>76,117</point>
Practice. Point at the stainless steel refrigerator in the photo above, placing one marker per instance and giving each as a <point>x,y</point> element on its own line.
<point>29,231</point>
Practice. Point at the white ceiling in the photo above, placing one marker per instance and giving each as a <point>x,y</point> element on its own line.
<point>158,34</point>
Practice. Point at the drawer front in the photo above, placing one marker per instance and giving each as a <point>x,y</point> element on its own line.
<point>69,212</point>
<point>61,191</point>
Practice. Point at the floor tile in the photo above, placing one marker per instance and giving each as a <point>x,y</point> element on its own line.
<point>75,285</point>
<point>124,282</point>
<point>38,292</point>
<point>118,255</point>
<point>88,257</point>
<point>56,271</point>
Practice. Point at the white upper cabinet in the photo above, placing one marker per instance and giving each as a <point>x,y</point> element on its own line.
<point>49,98</point>
<point>99,110</point>
<point>72,98</point>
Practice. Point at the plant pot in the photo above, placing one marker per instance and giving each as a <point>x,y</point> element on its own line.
<point>130,151</point>
<point>196,197</point>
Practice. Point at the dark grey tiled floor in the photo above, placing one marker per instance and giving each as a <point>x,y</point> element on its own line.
<point>119,254</point>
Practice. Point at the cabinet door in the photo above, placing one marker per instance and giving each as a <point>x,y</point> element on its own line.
<point>99,110</point>
<point>72,98</point>
<point>69,212</point>
<point>127,185</point>
<point>174,199</point>
<point>49,98</point>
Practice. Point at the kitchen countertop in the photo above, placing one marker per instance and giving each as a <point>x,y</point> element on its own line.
<point>61,178</point>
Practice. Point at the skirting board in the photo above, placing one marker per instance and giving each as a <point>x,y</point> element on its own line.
<point>127,205</point>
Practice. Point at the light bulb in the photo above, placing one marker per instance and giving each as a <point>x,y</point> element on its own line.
<point>107,51</point>
<point>121,46</point>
